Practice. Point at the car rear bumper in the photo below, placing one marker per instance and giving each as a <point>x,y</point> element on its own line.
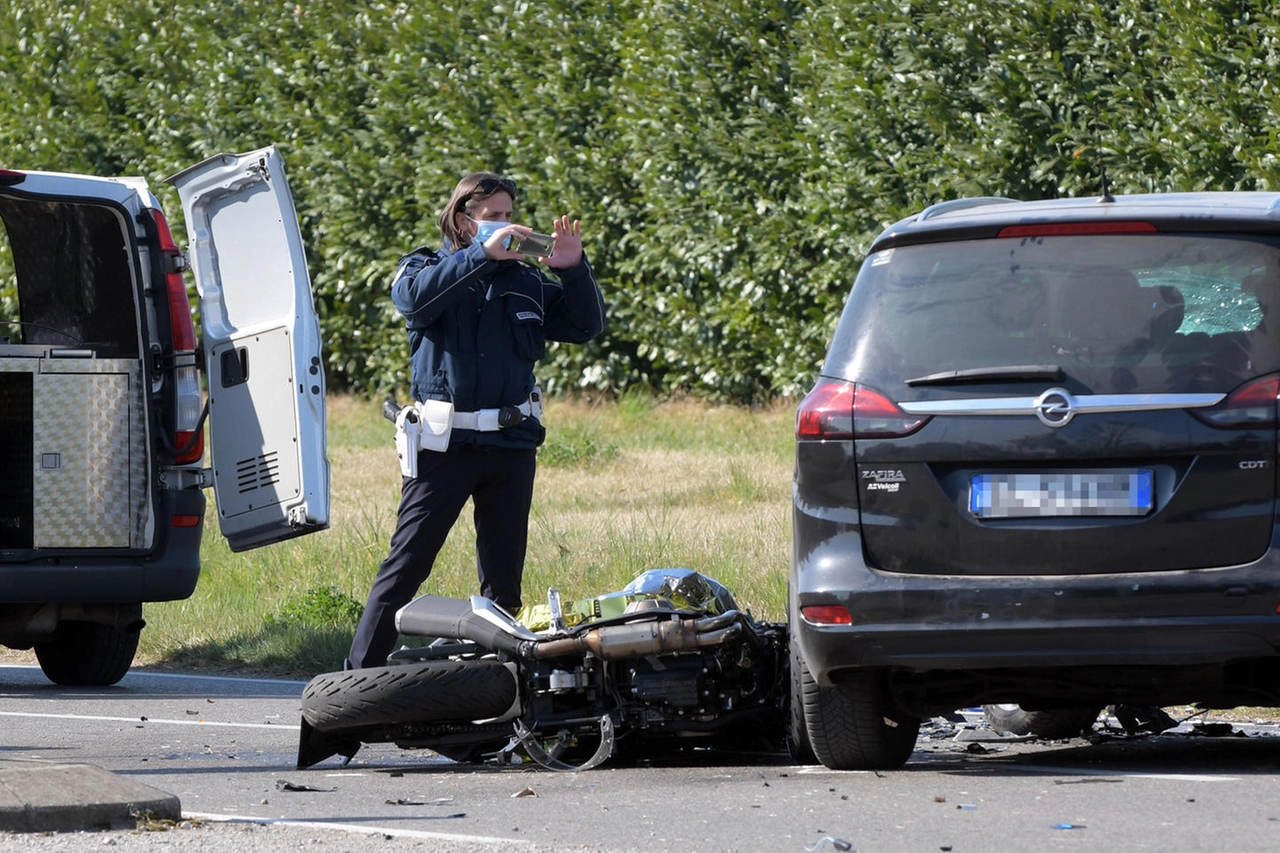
<point>922,623</point>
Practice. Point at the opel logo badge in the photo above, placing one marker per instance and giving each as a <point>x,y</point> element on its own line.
<point>1055,407</point>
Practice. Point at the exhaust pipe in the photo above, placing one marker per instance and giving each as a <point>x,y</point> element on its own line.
<point>613,642</point>
<point>484,623</point>
<point>478,620</point>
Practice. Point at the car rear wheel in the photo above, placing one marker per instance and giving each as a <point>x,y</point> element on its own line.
<point>1052,724</point>
<point>854,724</point>
<point>799,746</point>
<point>87,654</point>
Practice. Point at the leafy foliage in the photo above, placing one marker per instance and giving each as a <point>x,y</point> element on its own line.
<point>730,160</point>
<point>320,606</point>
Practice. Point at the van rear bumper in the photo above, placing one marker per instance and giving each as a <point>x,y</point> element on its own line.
<point>168,573</point>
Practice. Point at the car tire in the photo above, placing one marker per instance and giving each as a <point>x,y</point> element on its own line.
<point>432,692</point>
<point>87,654</point>
<point>854,724</point>
<point>1052,724</point>
<point>799,746</point>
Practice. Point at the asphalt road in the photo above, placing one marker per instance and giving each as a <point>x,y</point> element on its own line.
<point>227,749</point>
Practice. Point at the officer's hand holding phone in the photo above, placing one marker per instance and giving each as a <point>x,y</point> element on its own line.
<point>497,246</point>
<point>568,245</point>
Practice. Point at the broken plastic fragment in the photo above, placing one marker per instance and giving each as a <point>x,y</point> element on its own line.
<point>285,785</point>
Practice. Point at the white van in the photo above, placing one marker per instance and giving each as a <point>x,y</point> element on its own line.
<point>102,410</point>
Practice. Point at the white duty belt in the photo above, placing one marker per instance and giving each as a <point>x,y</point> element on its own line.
<point>492,420</point>
<point>428,425</point>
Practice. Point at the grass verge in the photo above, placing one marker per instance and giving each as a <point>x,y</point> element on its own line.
<point>621,487</point>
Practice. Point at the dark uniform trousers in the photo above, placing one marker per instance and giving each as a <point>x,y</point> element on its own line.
<point>499,482</point>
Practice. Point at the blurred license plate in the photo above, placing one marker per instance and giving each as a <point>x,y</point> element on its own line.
<point>1087,493</point>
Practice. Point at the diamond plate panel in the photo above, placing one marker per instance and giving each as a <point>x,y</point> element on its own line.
<point>84,456</point>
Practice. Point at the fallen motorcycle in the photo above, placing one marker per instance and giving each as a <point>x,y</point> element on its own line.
<point>668,662</point>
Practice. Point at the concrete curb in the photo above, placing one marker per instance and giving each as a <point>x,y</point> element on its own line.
<point>45,796</point>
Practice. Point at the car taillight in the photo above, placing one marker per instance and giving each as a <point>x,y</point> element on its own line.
<point>1070,229</point>
<point>827,614</point>
<point>188,433</point>
<point>8,177</point>
<point>876,416</point>
<point>835,409</point>
<point>826,411</point>
<point>1249,406</point>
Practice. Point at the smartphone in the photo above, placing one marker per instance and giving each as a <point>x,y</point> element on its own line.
<point>539,245</point>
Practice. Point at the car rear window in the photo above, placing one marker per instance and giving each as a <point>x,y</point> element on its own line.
<point>1134,313</point>
<point>65,276</point>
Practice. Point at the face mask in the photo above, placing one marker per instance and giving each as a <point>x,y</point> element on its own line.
<point>486,228</point>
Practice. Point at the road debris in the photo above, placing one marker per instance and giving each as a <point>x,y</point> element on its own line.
<point>524,792</point>
<point>1143,719</point>
<point>837,843</point>
<point>286,785</point>
<point>147,821</point>
<point>1216,730</point>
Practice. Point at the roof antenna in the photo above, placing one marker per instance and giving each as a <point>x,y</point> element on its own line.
<point>1106,198</point>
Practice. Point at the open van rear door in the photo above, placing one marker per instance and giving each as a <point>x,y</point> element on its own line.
<point>261,341</point>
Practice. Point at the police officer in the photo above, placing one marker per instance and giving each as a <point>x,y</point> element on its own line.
<point>479,316</point>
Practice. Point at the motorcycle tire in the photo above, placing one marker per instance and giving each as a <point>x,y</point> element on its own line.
<point>433,692</point>
<point>1053,724</point>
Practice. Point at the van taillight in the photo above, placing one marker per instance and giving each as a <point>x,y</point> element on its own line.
<point>835,409</point>
<point>188,433</point>
<point>1250,406</point>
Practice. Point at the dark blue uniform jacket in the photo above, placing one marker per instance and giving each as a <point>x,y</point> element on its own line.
<point>477,328</point>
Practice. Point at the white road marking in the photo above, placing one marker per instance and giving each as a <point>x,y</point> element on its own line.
<point>817,770</point>
<point>359,828</point>
<point>1128,774</point>
<point>235,678</point>
<point>135,674</point>
<point>140,721</point>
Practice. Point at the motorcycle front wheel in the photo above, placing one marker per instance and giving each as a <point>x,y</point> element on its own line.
<point>433,692</point>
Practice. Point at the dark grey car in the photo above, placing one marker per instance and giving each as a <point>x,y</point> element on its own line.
<point>1039,467</point>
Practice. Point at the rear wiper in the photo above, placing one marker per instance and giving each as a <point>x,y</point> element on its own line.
<point>1012,373</point>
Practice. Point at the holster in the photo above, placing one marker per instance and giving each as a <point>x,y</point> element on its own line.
<point>408,436</point>
<point>422,426</point>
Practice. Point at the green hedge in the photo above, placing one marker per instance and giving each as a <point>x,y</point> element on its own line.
<point>730,159</point>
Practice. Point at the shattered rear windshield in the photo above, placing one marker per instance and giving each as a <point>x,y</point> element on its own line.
<point>1142,313</point>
